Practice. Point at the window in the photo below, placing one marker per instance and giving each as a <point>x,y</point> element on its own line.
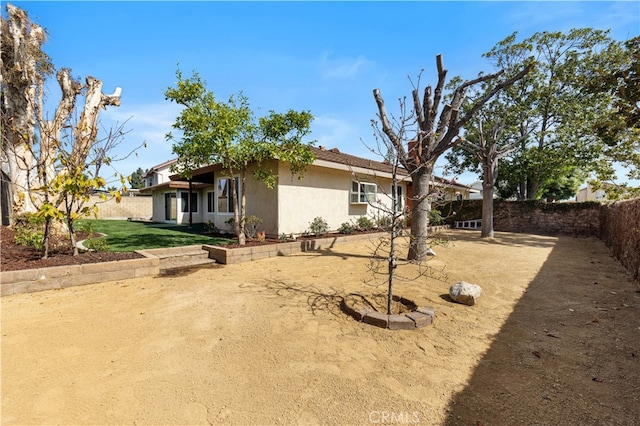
<point>399,196</point>
<point>211,202</point>
<point>362,193</point>
<point>184,202</point>
<point>225,198</point>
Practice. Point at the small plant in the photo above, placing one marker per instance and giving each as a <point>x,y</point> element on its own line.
<point>318,226</point>
<point>435,218</point>
<point>364,224</point>
<point>384,222</point>
<point>347,228</point>
<point>28,230</point>
<point>85,227</point>
<point>211,228</point>
<point>97,244</point>
<point>283,237</point>
<point>250,225</point>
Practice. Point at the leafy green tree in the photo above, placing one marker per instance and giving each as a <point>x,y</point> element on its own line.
<point>227,133</point>
<point>558,102</point>
<point>564,187</point>
<point>135,180</point>
<point>618,75</point>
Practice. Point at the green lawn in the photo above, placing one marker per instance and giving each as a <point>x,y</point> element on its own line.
<point>125,236</point>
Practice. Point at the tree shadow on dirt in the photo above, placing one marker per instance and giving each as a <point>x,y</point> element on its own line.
<point>502,238</point>
<point>331,301</point>
<point>569,352</point>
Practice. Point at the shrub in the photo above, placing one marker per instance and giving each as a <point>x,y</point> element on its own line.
<point>211,227</point>
<point>384,222</point>
<point>435,218</point>
<point>29,230</point>
<point>97,244</point>
<point>250,225</point>
<point>347,228</point>
<point>364,224</point>
<point>318,226</point>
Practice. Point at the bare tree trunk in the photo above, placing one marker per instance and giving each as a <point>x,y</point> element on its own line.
<point>419,245</point>
<point>490,174</point>
<point>238,208</point>
<point>21,40</point>
<point>45,238</point>
<point>72,235</point>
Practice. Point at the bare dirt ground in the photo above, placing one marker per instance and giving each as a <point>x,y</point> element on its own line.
<point>553,340</point>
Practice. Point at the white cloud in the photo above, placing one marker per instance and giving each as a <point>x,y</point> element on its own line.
<point>331,131</point>
<point>145,123</point>
<point>342,68</point>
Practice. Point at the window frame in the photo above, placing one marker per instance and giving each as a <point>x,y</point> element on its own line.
<point>359,194</point>
<point>399,196</point>
<point>194,200</point>
<point>211,201</point>
<point>229,200</point>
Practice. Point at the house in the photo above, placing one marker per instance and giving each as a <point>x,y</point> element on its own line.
<point>589,194</point>
<point>337,187</point>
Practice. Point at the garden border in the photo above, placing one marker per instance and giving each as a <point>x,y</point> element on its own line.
<point>59,277</point>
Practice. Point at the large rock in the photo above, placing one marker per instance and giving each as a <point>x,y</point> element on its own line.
<point>465,293</point>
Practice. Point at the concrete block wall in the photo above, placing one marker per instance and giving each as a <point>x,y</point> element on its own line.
<point>139,207</point>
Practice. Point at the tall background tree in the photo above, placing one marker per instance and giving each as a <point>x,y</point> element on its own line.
<point>560,104</point>
<point>619,125</point>
<point>135,179</point>
<point>435,132</point>
<point>227,133</point>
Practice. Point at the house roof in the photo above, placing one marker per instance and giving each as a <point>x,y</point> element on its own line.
<point>325,157</point>
<point>174,184</point>
<point>335,156</point>
<point>160,166</point>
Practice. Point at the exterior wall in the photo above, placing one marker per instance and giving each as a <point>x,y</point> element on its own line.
<point>158,206</point>
<point>588,194</point>
<point>263,201</point>
<point>161,175</point>
<point>138,207</point>
<point>620,228</point>
<point>325,193</point>
<point>196,217</point>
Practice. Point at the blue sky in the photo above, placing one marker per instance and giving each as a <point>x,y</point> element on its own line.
<point>326,57</point>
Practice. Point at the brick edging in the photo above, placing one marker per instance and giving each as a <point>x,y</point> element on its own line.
<point>418,317</point>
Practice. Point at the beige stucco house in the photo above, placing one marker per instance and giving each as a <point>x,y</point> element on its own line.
<point>336,187</point>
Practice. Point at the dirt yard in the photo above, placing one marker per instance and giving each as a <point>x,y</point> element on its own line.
<point>553,340</point>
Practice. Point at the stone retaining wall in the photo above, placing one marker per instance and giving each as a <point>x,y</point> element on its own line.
<point>617,224</point>
<point>620,230</point>
<point>536,217</point>
<point>33,280</point>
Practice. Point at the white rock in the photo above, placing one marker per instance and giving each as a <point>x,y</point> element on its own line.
<point>465,293</point>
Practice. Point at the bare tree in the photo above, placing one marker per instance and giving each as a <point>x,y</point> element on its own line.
<point>41,172</point>
<point>432,137</point>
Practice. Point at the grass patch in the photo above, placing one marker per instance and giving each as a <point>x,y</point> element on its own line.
<point>126,236</point>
